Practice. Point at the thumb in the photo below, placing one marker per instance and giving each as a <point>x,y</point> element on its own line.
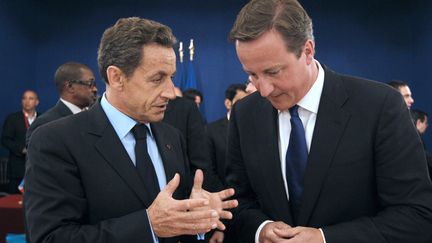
<point>198,180</point>
<point>172,184</point>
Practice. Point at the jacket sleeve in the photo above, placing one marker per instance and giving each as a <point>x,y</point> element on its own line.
<point>403,189</point>
<point>9,139</point>
<point>55,199</point>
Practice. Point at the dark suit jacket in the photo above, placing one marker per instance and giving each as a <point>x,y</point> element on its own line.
<point>184,115</point>
<point>217,133</point>
<point>217,142</point>
<point>366,178</point>
<point>13,138</point>
<point>56,112</point>
<point>81,185</point>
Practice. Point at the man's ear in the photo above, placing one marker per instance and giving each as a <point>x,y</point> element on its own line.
<point>69,88</point>
<point>418,123</point>
<point>116,77</point>
<point>228,104</point>
<point>309,51</point>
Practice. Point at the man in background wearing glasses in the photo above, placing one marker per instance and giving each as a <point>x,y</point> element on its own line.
<point>76,85</point>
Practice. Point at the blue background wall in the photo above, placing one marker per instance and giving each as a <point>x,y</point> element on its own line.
<point>376,39</point>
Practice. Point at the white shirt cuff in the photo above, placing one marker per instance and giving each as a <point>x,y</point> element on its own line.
<point>155,238</point>
<point>260,228</point>
<point>322,234</point>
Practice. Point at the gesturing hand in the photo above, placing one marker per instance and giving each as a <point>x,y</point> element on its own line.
<point>217,200</point>
<point>170,217</point>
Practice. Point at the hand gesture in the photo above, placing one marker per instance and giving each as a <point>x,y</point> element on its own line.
<point>217,200</point>
<point>170,217</point>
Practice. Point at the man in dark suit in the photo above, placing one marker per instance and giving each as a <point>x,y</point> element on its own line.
<point>217,142</point>
<point>13,138</point>
<point>76,85</point>
<point>184,115</point>
<point>217,131</point>
<point>420,120</point>
<point>112,173</point>
<point>315,156</point>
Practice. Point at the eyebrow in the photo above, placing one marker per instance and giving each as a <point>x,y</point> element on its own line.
<point>159,73</point>
<point>274,68</point>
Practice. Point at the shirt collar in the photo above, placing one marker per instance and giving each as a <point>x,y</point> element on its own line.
<point>311,100</point>
<point>121,123</point>
<point>75,109</point>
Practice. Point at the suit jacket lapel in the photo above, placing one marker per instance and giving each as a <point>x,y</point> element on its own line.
<point>111,149</point>
<point>165,148</point>
<point>329,128</point>
<point>267,132</point>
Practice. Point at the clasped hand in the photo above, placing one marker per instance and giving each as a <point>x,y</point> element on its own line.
<point>200,213</point>
<point>282,232</point>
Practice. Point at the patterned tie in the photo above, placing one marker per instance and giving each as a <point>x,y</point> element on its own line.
<point>144,164</point>
<point>296,160</point>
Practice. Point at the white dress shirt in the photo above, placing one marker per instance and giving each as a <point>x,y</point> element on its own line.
<point>308,110</point>
<point>74,109</point>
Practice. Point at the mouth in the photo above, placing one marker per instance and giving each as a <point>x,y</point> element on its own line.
<point>162,106</point>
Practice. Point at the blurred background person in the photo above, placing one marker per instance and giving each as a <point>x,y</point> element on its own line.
<point>194,95</point>
<point>76,85</point>
<point>420,120</point>
<point>250,87</point>
<point>405,91</point>
<point>13,138</point>
<point>217,143</point>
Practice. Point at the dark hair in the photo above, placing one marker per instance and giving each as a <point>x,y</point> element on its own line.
<point>191,93</point>
<point>122,44</point>
<point>397,84</point>
<point>232,90</point>
<point>67,72</point>
<point>418,115</point>
<point>287,17</point>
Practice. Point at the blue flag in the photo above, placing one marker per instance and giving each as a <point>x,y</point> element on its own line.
<point>191,78</point>
<point>180,77</point>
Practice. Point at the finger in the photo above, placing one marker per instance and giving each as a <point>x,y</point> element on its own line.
<point>172,184</point>
<point>225,215</point>
<point>198,180</point>
<point>229,204</point>
<point>190,204</point>
<point>195,228</point>
<point>197,216</point>
<point>286,232</point>
<point>281,225</point>
<point>227,193</point>
<point>195,225</point>
<point>217,237</point>
<point>220,225</point>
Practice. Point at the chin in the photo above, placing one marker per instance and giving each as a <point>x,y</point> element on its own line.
<point>280,106</point>
<point>157,118</point>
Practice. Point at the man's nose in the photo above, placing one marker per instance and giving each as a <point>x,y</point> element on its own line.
<point>264,87</point>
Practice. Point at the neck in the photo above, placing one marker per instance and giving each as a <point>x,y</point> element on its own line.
<point>30,113</point>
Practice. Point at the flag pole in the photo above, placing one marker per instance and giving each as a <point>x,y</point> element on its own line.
<point>181,54</point>
<point>191,50</point>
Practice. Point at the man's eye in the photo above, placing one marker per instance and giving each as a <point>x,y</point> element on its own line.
<point>273,72</point>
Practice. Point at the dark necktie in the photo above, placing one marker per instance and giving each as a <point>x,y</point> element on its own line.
<point>144,164</point>
<point>296,160</point>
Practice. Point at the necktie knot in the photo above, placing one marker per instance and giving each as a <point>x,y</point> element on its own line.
<point>139,131</point>
<point>294,111</point>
